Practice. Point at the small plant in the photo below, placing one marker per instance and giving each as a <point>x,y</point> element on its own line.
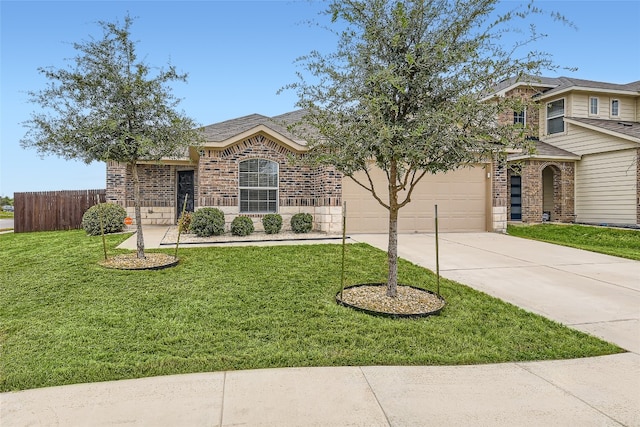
<point>185,221</point>
<point>301,223</point>
<point>272,223</point>
<point>242,226</point>
<point>111,215</point>
<point>207,222</point>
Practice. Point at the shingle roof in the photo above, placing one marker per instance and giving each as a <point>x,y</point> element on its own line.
<point>223,131</point>
<point>631,129</point>
<point>533,80</point>
<point>568,82</point>
<point>544,150</point>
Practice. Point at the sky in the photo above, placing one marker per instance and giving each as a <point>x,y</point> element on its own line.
<point>238,54</point>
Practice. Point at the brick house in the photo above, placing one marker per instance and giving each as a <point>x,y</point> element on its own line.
<point>244,167</point>
<point>585,168</point>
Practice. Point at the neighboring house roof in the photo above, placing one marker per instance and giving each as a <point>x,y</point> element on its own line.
<point>507,85</point>
<point>618,128</point>
<point>544,151</point>
<point>567,84</point>
<point>229,132</point>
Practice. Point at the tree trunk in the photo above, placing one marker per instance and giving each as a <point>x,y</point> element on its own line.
<point>392,254</point>
<point>138,215</point>
<point>392,251</point>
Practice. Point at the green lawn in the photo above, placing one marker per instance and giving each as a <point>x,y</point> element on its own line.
<point>612,241</point>
<point>64,319</point>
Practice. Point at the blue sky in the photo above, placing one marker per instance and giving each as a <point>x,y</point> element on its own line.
<point>237,54</point>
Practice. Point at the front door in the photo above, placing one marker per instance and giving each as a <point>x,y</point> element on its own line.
<point>185,189</point>
<point>516,198</point>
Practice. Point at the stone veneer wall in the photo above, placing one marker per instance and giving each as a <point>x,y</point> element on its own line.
<point>563,189</point>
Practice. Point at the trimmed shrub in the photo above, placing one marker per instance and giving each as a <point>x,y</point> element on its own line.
<point>185,221</point>
<point>207,222</point>
<point>112,219</point>
<point>242,226</point>
<point>272,223</point>
<point>301,223</point>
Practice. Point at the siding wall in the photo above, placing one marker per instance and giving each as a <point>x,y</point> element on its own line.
<point>584,141</point>
<point>577,105</point>
<point>580,106</point>
<point>606,188</point>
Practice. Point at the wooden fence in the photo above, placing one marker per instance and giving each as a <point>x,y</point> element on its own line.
<point>53,210</point>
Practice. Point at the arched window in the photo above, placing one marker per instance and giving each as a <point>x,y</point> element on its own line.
<point>258,186</point>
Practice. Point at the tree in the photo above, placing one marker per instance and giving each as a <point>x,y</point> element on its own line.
<point>404,90</point>
<point>108,106</point>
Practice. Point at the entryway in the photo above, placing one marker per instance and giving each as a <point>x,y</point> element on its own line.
<point>185,188</point>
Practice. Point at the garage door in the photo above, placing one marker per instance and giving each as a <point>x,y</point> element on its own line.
<point>461,197</point>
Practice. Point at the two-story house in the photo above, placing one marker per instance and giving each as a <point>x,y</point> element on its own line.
<point>585,168</point>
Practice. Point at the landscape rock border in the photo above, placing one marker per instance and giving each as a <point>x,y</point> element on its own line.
<point>411,302</point>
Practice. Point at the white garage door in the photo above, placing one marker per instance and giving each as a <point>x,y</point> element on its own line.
<point>461,197</point>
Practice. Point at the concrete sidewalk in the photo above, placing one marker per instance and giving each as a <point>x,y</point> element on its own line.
<point>598,391</point>
<point>595,293</point>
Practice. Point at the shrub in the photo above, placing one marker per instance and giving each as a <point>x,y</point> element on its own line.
<point>272,223</point>
<point>242,226</point>
<point>185,221</point>
<point>112,219</point>
<point>207,222</point>
<point>301,223</point>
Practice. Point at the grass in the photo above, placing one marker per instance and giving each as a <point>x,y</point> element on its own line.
<point>64,319</point>
<point>6,215</point>
<point>611,241</point>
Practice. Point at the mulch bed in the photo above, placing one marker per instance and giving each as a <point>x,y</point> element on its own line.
<point>151,261</point>
<point>410,301</point>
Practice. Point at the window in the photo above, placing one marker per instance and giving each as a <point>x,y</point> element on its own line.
<point>258,186</point>
<point>593,106</point>
<point>615,108</point>
<point>555,117</point>
<point>519,117</point>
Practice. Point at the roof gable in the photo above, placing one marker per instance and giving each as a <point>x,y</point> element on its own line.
<point>229,132</point>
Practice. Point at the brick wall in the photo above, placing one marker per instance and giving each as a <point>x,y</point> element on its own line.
<point>532,113</point>
<point>157,190</point>
<point>563,189</point>
<point>302,188</point>
<point>299,185</point>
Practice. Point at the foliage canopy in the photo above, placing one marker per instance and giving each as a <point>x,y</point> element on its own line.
<point>406,89</point>
<point>109,106</point>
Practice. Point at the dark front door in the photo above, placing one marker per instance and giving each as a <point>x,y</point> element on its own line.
<point>185,189</point>
<point>516,198</point>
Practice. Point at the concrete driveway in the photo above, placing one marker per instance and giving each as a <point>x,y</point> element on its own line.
<point>594,293</point>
